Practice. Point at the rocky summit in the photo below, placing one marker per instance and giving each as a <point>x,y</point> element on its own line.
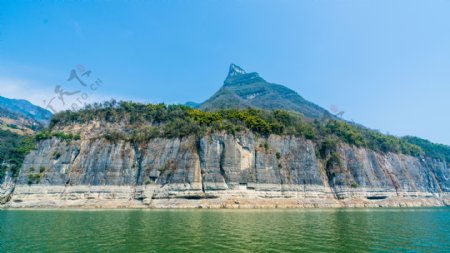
<point>250,90</point>
<point>224,155</point>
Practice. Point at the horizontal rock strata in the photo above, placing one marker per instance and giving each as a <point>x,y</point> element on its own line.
<point>222,171</point>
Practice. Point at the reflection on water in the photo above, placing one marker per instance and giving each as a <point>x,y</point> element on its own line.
<point>328,230</point>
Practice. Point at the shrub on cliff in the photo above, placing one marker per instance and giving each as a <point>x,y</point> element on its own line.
<point>13,149</point>
<point>438,151</point>
<point>46,134</point>
<point>179,121</point>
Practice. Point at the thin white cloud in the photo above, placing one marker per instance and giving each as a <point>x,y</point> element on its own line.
<point>17,88</point>
<point>23,89</point>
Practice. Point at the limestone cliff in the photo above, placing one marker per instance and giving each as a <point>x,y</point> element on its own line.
<point>125,154</point>
<point>221,170</point>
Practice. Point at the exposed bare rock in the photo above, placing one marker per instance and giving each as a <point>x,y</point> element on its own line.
<point>222,171</point>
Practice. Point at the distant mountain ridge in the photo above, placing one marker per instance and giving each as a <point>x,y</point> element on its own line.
<point>21,116</point>
<point>25,109</point>
<point>245,90</point>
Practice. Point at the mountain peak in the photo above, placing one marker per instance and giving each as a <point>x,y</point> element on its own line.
<point>249,90</point>
<point>235,70</point>
<point>238,76</point>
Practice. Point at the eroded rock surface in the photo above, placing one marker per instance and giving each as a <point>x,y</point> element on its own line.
<point>222,170</point>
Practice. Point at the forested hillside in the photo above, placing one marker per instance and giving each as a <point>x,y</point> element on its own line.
<point>148,121</point>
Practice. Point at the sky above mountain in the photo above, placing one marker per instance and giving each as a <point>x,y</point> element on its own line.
<point>384,63</point>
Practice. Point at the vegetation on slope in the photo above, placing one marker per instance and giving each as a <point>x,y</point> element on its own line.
<point>439,151</point>
<point>243,90</point>
<point>147,121</point>
<point>159,120</point>
<point>46,134</point>
<point>13,149</point>
<point>24,109</point>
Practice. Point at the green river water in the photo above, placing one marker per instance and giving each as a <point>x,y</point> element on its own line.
<point>306,230</point>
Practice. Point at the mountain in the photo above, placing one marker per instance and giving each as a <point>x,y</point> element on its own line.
<point>19,121</point>
<point>244,90</point>
<point>166,156</point>
<point>21,116</point>
<point>25,109</point>
<point>119,157</point>
<point>136,155</point>
<point>192,104</point>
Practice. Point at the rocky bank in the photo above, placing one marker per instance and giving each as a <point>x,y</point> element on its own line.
<point>220,170</point>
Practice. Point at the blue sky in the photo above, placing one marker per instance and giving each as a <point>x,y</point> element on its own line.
<point>385,63</point>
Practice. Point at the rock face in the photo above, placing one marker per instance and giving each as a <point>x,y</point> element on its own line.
<point>218,169</point>
<point>221,170</point>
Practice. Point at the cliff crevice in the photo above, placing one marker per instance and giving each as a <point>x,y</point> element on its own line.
<point>223,167</point>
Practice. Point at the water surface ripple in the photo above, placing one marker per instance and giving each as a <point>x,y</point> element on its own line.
<point>317,230</point>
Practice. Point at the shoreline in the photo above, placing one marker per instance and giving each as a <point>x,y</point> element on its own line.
<point>318,209</point>
<point>173,197</point>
